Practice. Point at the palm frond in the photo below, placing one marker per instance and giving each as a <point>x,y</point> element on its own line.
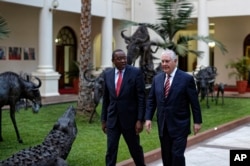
<point>181,49</point>
<point>184,39</point>
<point>4,30</point>
<point>195,52</point>
<point>209,39</point>
<point>159,30</point>
<point>174,16</point>
<point>128,23</point>
<point>164,45</point>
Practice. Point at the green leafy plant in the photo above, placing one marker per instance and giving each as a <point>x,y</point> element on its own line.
<point>73,70</point>
<point>240,68</point>
<point>4,30</point>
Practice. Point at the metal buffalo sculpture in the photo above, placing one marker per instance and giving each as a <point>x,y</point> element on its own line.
<point>220,90</point>
<point>97,84</point>
<point>54,149</point>
<point>13,88</point>
<point>140,46</point>
<point>205,79</point>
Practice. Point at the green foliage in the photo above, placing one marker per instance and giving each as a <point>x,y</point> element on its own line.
<point>241,67</point>
<point>90,145</point>
<point>73,70</point>
<point>4,30</point>
<point>174,17</point>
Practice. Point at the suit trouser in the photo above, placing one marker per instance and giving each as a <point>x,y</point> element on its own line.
<point>133,143</point>
<point>172,149</point>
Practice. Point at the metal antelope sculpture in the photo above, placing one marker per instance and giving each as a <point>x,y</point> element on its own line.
<point>14,88</point>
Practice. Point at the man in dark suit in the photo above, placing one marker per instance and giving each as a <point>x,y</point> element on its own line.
<point>123,112</point>
<point>173,94</point>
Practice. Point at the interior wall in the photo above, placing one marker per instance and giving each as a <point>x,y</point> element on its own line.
<point>118,40</point>
<point>97,51</point>
<point>23,24</point>
<point>231,31</point>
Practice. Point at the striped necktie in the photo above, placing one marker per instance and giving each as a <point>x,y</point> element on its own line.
<point>119,82</point>
<point>167,86</point>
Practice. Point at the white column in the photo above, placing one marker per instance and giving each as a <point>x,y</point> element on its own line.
<point>107,36</point>
<point>203,30</point>
<point>45,70</point>
<point>132,8</point>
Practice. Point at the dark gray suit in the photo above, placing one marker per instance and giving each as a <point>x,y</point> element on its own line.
<point>122,112</point>
<point>173,114</point>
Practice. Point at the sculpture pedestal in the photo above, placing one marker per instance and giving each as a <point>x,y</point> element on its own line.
<point>49,83</point>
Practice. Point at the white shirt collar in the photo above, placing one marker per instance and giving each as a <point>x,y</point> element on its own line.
<point>116,71</point>
<point>173,73</point>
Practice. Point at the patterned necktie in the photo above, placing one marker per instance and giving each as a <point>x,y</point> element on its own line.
<point>167,86</point>
<point>119,82</point>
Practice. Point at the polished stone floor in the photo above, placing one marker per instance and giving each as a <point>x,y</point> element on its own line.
<point>216,151</point>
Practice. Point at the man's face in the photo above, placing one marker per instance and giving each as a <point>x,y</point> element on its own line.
<point>120,60</point>
<point>167,63</point>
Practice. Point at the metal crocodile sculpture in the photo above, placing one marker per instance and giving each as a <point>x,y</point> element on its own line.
<point>54,149</point>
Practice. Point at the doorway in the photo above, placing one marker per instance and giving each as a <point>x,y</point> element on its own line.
<point>66,60</point>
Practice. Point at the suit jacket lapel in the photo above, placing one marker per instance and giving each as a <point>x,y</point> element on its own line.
<point>111,79</point>
<point>175,82</point>
<point>161,84</point>
<point>125,78</point>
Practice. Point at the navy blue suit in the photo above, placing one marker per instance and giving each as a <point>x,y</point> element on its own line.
<point>122,112</point>
<point>173,114</point>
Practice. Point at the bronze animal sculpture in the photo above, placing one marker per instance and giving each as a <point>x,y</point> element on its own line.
<point>205,79</point>
<point>97,84</point>
<point>14,88</point>
<point>220,90</point>
<point>54,149</point>
<point>139,47</point>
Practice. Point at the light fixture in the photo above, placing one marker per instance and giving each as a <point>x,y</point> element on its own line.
<point>57,40</point>
<point>54,5</point>
<point>211,44</point>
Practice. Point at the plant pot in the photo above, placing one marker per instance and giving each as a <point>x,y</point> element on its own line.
<point>241,86</point>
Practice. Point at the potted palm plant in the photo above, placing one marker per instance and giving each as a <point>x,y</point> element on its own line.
<point>240,68</point>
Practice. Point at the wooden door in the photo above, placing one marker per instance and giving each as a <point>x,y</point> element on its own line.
<point>60,65</point>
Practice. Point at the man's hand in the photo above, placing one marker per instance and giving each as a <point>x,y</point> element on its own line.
<point>148,126</point>
<point>104,128</point>
<point>138,127</point>
<point>197,127</point>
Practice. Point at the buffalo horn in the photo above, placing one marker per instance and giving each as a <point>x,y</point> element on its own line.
<point>125,37</point>
<point>154,44</point>
<point>85,76</point>
<point>39,82</point>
